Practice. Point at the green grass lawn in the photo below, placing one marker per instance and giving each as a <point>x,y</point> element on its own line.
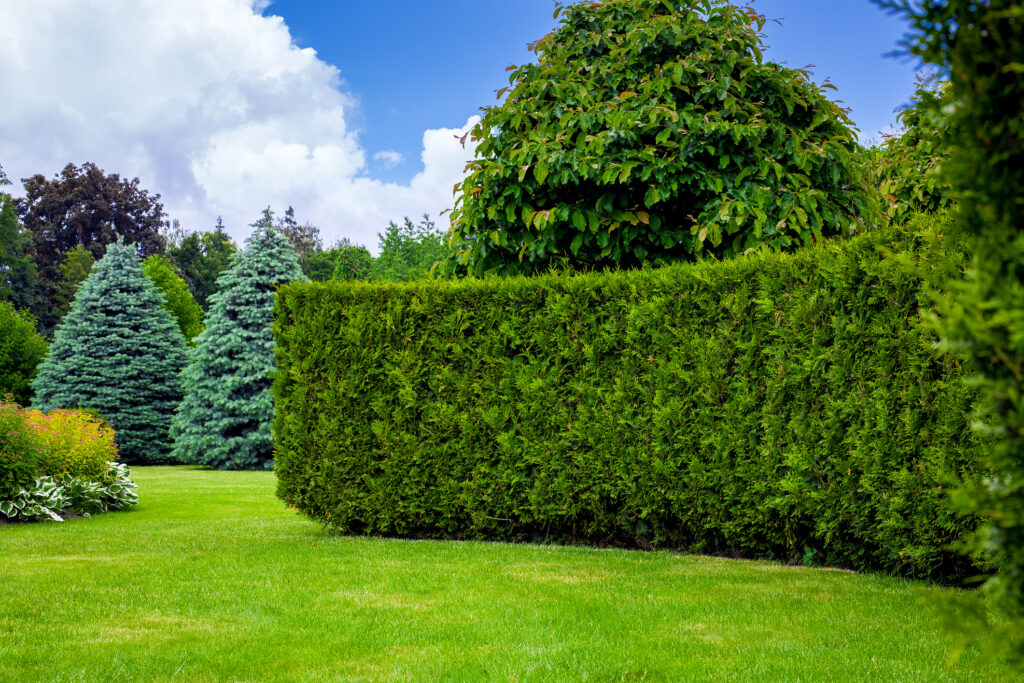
<point>212,578</point>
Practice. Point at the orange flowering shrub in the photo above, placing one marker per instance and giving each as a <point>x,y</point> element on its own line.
<point>74,442</point>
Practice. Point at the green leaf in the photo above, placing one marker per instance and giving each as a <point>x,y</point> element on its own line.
<point>579,220</point>
<point>540,172</point>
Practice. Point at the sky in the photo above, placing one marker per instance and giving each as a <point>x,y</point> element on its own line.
<point>344,109</point>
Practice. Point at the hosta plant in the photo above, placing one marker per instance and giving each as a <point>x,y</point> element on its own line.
<point>44,499</point>
<point>119,491</point>
<point>49,498</point>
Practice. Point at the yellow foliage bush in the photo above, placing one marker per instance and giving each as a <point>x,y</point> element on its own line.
<point>74,442</point>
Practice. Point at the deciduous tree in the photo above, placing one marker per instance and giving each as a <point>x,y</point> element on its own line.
<point>19,282</point>
<point>21,350</point>
<point>650,131</point>
<point>83,205</point>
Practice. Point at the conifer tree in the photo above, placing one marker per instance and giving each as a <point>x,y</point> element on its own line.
<point>120,353</point>
<point>226,416</point>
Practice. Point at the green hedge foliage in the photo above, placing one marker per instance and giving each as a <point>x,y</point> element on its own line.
<point>776,406</point>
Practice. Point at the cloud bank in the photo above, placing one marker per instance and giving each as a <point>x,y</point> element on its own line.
<point>210,104</point>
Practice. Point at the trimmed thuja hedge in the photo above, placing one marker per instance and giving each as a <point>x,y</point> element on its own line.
<point>777,406</point>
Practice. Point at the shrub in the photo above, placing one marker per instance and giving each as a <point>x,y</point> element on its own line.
<point>21,350</point>
<point>225,418</point>
<point>651,131</point>
<point>74,443</point>
<point>20,450</point>
<point>760,406</point>
<point>118,352</point>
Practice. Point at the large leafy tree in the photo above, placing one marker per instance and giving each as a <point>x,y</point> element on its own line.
<point>178,299</point>
<point>654,131</point>
<point>979,44</point>
<point>905,166</point>
<point>120,353</point>
<point>83,205</point>
<point>226,416</point>
<point>21,350</point>
<point>201,258</point>
<point>19,282</point>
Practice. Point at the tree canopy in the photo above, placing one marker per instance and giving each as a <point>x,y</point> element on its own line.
<point>408,251</point>
<point>83,205</point>
<point>905,166</point>
<point>654,131</point>
<point>21,350</point>
<point>19,282</point>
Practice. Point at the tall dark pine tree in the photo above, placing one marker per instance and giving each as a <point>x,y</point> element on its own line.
<point>226,416</point>
<point>120,353</point>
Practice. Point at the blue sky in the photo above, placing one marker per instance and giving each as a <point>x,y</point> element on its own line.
<point>418,65</point>
<point>345,110</point>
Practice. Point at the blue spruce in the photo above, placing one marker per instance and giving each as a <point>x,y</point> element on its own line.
<point>120,353</point>
<point>226,416</point>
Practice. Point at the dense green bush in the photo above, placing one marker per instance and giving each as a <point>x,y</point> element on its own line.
<point>652,131</point>
<point>775,405</point>
<point>21,350</point>
<point>118,352</point>
<point>225,419</point>
<point>20,450</point>
<point>58,464</point>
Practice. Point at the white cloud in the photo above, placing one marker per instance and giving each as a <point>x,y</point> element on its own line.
<point>390,157</point>
<point>208,103</point>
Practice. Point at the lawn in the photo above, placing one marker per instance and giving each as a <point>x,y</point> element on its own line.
<point>211,577</point>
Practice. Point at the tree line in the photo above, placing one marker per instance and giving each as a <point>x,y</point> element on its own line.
<point>51,237</point>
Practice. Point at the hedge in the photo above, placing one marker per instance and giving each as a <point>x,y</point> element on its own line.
<point>773,406</point>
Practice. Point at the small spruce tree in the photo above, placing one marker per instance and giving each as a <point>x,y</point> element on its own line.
<point>226,416</point>
<point>118,352</point>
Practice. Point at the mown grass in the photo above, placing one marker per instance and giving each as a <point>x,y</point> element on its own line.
<point>212,578</point>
